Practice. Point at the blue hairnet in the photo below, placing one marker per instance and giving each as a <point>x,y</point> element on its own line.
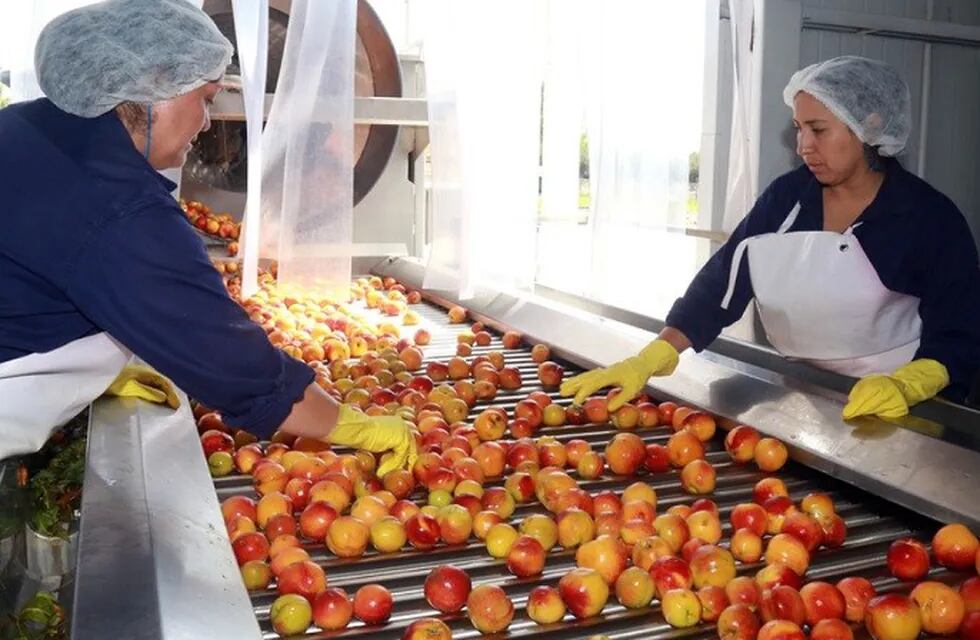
<point>867,95</point>
<point>91,59</point>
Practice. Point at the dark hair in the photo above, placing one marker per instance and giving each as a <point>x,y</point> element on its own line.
<point>133,116</point>
<point>875,161</point>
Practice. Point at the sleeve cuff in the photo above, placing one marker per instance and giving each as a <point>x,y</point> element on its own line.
<point>268,413</point>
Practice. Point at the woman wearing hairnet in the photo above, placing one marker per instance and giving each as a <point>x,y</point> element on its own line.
<point>97,261</point>
<point>855,264</point>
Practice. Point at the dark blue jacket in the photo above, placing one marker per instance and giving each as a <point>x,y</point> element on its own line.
<point>916,238</point>
<point>91,240</point>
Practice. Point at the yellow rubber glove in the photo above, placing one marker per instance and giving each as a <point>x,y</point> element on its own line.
<point>891,396</point>
<point>137,381</point>
<point>377,434</point>
<point>659,358</point>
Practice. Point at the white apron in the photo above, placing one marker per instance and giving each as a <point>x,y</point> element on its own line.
<point>42,391</point>
<point>821,301</point>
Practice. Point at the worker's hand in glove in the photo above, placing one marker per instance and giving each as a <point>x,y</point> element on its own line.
<point>138,381</point>
<point>659,358</point>
<point>377,434</point>
<point>891,396</point>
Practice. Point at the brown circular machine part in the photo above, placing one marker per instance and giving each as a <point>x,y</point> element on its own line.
<point>218,157</point>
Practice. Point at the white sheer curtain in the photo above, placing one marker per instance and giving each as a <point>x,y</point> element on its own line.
<point>740,191</point>
<point>644,70</point>
<point>307,173</point>
<point>252,41</point>
<point>483,83</point>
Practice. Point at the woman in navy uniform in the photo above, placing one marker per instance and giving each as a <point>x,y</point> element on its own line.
<point>97,261</point>
<point>855,265</point>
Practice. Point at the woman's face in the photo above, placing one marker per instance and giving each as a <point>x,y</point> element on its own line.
<point>176,122</point>
<point>828,147</point>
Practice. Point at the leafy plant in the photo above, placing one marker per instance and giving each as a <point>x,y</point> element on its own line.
<point>41,618</point>
<point>56,491</point>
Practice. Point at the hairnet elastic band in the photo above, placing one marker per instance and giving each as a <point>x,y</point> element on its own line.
<point>149,123</point>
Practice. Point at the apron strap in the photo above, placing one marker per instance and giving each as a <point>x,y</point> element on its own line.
<point>740,252</point>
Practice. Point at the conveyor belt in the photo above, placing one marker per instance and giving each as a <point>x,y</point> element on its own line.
<point>872,524</point>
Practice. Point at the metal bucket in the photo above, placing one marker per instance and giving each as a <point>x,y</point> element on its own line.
<point>49,556</point>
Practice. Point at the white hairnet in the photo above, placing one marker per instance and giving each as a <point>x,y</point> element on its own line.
<point>91,59</point>
<point>867,95</point>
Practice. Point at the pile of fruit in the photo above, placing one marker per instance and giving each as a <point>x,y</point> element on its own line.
<point>471,475</point>
<point>220,226</point>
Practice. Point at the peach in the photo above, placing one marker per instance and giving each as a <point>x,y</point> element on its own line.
<point>584,591</point>
<point>491,457</point>
<point>625,453</point>
<point>857,593</point>
<point>550,373</point>
<point>908,559</point>
<point>831,629</point>
<point>817,504</point>
<point>446,588</point>
<point>743,590</point>
<point>822,601</point>
<point>574,450</point>
<point>403,510</point>
<point>681,608</point>
<point>737,622</point>
<point>281,544</point>
<point>770,454</point>
<point>781,630</point>
<point>638,509</point>
<point>331,492</point>
<point>455,524</point>
<point>575,527</point>
<point>298,491</point>
<point>238,505</point>
<point>544,605</point>
<point>491,424</point>
<point>782,602</point>
<point>626,417</point>
<point>704,525</point>
<point>280,524</point>
<point>634,588</point>
<point>955,547</point>
<point>740,443</point>
<point>590,466</point>
<point>834,531</point>
<point>803,528</point>
<point>607,502</point>
<point>238,525</point>
<point>775,574</point>
<point>256,575</point>
<point>683,447</point>
<point>749,516</point>
<point>290,614</point>
<point>303,578</point>
<point>657,458</point>
<point>701,424</point>
<point>970,629</point>
<point>348,537</point>
<point>520,486</point>
<point>713,601</point>
<point>698,477</point>
<point>388,534</point>
<point>542,528</point>
<point>250,546</point>
<point>640,491</point>
<point>272,504</point>
<point>489,609</point>
<point>711,565</point>
<point>606,555</point>
<point>596,410</point>
<point>540,353</point>
<point>769,488</point>
<point>941,607</point>
<point>672,529</point>
<point>746,546</point>
<point>422,530</point>
<point>648,550</point>
<point>372,604</point>
<point>970,592</point>
<point>427,629</point>
<point>247,457</point>
<point>316,519</point>
<point>777,508</point>
<point>483,522</point>
<point>670,572</point>
<point>526,557</point>
<point>788,550</point>
<point>553,415</point>
<point>498,499</point>
<point>893,617</point>
<point>500,538</point>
